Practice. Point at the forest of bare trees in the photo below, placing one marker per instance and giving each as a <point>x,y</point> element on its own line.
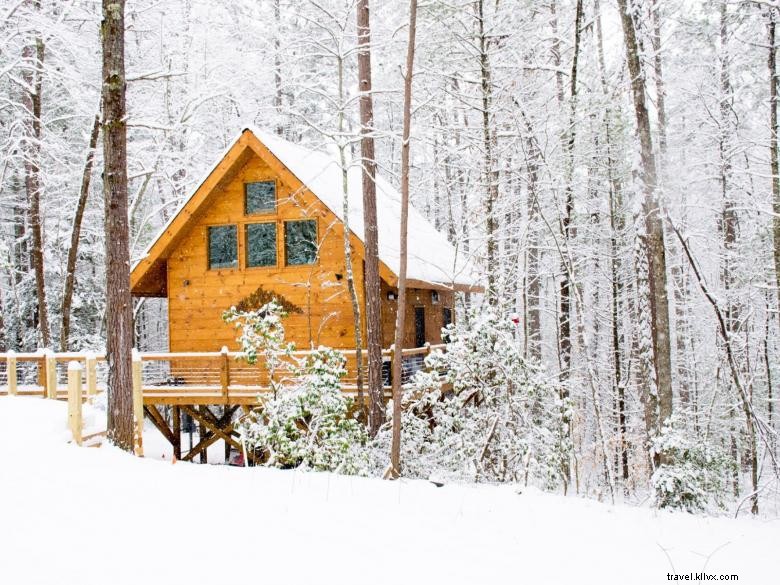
<point>610,165</point>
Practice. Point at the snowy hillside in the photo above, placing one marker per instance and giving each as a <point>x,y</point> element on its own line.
<point>95,516</point>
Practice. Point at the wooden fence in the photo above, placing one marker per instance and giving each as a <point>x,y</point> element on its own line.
<point>171,379</point>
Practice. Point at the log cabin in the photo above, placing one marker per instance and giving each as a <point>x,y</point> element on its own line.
<point>269,219</point>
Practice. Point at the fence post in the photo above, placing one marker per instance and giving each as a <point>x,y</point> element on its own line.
<point>224,376</point>
<point>74,400</point>
<point>425,357</point>
<point>138,403</point>
<point>91,374</point>
<point>11,372</point>
<point>50,375</point>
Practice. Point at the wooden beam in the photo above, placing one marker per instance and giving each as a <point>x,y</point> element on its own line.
<point>74,401</point>
<point>217,427</point>
<point>159,422</point>
<point>91,372</point>
<point>202,445</point>
<point>50,374</point>
<point>11,373</point>
<point>138,404</point>
<point>176,423</point>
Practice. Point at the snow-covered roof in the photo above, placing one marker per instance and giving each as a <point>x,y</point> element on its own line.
<point>430,258</point>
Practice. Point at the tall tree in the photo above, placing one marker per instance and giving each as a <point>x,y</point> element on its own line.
<point>489,152</point>
<point>119,310</point>
<point>33,55</point>
<point>75,234</point>
<point>400,319</point>
<point>773,131</point>
<point>376,413</point>
<point>659,396</point>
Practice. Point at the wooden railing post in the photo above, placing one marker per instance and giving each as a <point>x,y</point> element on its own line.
<point>11,373</point>
<point>224,376</point>
<point>138,403</point>
<point>91,372</point>
<point>74,400</point>
<point>50,374</point>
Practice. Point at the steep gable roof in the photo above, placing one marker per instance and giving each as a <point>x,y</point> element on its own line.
<point>432,260</point>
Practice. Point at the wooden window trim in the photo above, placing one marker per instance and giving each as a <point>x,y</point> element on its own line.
<point>265,213</point>
<point>245,255</point>
<point>316,239</point>
<point>208,247</point>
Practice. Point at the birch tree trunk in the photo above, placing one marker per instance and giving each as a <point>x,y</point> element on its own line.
<point>400,324</point>
<point>119,315</point>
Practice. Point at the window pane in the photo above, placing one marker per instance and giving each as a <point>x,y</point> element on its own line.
<point>223,246</point>
<point>447,316</point>
<point>261,244</point>
<point>260,197</point>
<point>300,241</point>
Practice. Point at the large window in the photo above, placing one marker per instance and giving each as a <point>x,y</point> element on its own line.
<point>260,197</point>
<point>300,242</point>
<point>223,247</point>
<point>260,244</point>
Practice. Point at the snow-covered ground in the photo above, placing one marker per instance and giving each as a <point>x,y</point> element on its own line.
<point>71,515</point>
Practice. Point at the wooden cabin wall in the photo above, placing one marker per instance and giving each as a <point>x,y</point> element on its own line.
<point>197,296</point>
<point>416,297</point>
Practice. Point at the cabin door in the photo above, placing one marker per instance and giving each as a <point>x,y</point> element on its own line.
<point>419,326</point>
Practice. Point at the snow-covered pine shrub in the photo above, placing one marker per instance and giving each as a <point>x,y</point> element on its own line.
<point>696,473</point>
<point>503,421</point>
<point>308,424</point>
<point>262,332</point>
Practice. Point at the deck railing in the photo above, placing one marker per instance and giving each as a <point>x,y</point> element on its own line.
<point>172,379</point>
<point>168,377</point>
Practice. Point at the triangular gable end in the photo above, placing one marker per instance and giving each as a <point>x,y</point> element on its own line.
<point>148,277</point>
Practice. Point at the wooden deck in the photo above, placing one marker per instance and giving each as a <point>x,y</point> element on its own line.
<point>208,387</point>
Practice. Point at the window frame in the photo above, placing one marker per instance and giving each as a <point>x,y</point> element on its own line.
<point>247,225</point>
<point>237,264</point>
<point>316,242</point>
<point>273,210</point>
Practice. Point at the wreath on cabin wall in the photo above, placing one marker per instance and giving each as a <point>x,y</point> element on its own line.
<point>261,297</point>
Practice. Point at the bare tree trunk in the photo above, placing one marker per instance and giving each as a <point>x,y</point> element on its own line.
<point>660,87</point>
<point>751,421</point>
<point>353,295</point>
<point>278,67</point>
<point>73,251</point>
<point>565,316</point>
<point>569,141</point>
<point>617,225</point>
<point>119,315</point>
<point>773,131</point>
<point>533,288</point>
<point>654,234</point>
<point>376,413</point>
<point>33,77</point>
<point>395,451</point>
<point>489,146</point>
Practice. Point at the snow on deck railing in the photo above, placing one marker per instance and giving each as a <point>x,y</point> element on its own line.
<point>183,378</point>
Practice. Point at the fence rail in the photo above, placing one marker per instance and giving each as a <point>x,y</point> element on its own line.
<point>185,378</point>
<point>188,380</point>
